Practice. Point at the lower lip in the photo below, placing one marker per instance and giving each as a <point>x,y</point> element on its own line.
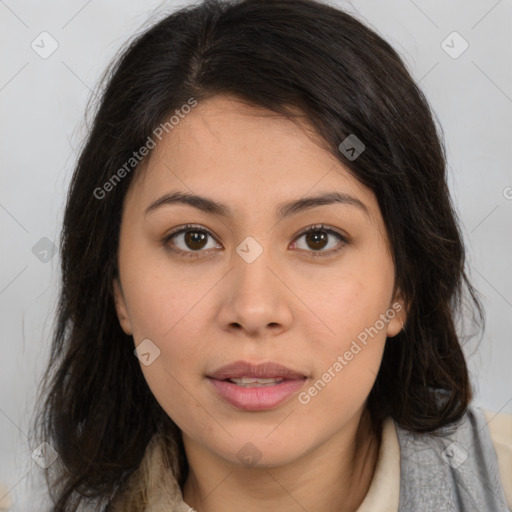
<point>257,398</point>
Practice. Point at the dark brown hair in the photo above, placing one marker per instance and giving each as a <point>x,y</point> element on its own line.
<point>287,56</point>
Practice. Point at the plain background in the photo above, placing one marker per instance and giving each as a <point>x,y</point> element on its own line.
<point>43,103</point>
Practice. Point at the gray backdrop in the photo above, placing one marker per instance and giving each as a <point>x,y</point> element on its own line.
<point>53,53</point>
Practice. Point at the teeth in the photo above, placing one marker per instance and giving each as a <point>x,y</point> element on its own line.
<point>255,382</point>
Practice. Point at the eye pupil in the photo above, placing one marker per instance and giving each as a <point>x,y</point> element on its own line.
<point>195,237</point>
<point>316,237</point>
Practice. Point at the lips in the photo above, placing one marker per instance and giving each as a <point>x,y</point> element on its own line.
<point>268,370</point>
<point>256,398</point>
<point>236,384</point>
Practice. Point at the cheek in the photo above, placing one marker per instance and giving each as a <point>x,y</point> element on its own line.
<point>350,305</point>
<point>346,363</point>
<point>164,306</point>
<point>176,395</point>
<point>348,300</point>
<point>161,296</point>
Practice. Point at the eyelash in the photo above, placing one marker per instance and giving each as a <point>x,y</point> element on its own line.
<point>194,254</point>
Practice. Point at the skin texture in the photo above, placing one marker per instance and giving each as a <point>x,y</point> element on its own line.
<point>287,306</point>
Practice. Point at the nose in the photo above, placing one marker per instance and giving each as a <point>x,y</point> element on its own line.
<point>255,299</point>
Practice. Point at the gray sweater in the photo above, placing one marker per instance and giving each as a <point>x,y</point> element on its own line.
<point>453,470</point>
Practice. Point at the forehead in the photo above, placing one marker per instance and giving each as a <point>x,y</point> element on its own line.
<point>236,152</point>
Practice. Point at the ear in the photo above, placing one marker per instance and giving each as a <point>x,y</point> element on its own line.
<point>121,309</point>
<point>397,313</point>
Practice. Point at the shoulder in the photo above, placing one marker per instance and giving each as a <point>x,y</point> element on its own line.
<point>500,429</point>
<point>458,463</point>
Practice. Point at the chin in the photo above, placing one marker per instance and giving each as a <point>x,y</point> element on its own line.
<point>258,451</point>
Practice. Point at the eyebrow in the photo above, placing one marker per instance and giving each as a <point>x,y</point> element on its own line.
<point>283,210</point>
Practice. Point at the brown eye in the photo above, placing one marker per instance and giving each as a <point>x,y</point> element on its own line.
<point>189,240</point>
<point>195,240</point>
<point>318,238</point>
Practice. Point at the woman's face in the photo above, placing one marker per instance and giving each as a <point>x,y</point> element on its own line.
<point>246,284</point>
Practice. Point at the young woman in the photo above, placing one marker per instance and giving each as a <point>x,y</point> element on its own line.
<point>262,274</point>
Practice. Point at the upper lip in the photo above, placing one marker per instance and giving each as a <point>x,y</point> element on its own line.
<point>266,370</point>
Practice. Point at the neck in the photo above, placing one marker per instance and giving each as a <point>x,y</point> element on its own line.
<point>334,476</point>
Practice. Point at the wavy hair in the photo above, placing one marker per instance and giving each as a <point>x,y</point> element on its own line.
<point>286,56</point>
